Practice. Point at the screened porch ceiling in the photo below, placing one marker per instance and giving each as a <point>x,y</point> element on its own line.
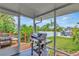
<point>38,10</point>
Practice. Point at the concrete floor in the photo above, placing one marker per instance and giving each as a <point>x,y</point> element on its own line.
<point>24,53</point>
<point>28,53</point>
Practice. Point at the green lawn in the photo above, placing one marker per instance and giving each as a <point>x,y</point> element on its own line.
<point>65,44</point>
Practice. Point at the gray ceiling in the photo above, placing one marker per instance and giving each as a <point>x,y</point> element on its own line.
<point>44,10</point>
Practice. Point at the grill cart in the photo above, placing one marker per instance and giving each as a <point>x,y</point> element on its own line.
<point>38,43</point>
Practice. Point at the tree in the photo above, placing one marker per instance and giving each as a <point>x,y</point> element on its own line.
<point>58,28</point>
<point>7,23</point>
<point>75,32</point>
<point>26,29</point>
<point>45,27</point>
<point>38,28</point>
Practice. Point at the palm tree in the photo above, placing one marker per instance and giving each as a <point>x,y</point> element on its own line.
<point>26,29</point>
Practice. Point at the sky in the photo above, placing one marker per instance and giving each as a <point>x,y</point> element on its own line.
<point>69,20</point>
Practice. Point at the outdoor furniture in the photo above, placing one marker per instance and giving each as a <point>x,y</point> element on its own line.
<point>5,41</point>
<point>14,40</point>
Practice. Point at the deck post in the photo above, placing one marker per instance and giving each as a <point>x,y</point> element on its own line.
<point>34,31</point>
<point>34,25</point>
<point>32,48</point>
<point>18,33</point>
<point>54,32</point>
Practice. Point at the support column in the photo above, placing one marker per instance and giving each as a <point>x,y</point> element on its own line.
<point>34,25</point>
<point>18,33</point>
<point>55,33</point>
<point>34,31</point>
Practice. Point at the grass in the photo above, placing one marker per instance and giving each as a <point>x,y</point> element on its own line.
<point>65,44</point>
